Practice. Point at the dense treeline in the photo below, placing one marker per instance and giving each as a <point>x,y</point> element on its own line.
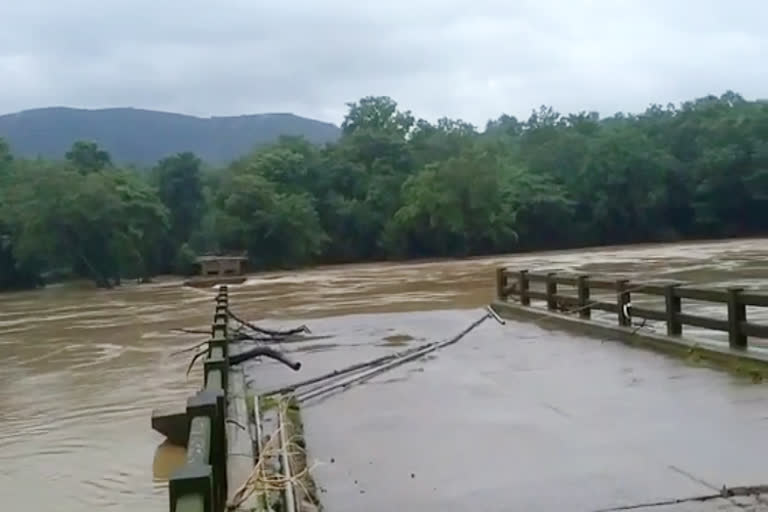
<point>395,187</point>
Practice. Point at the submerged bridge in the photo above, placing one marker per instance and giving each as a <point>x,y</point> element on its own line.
<point>544,413</point>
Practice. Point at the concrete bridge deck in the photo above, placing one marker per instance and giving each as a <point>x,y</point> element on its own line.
<point>520,417</point>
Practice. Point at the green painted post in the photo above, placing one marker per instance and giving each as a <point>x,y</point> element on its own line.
<point>551,291</point>
<point>219,340</point>
<point>582,287</point>
<point>192,502</point>
<point>191,480</point>
<point>192,487</point>
<point>199,443</point>
<point>673,308</point>
<point>523,283</point>
<point>217,364</point>
<point>220,324</point>
<point>220,337</point>
<point>210,403</point>
<point>737,313</point>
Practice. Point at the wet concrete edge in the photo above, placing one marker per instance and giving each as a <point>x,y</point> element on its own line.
<point>752,361</point>
<point>306,492</point>
<point>240,443</point>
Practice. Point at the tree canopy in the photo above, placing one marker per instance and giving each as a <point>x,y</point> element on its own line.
<point>394,186</point>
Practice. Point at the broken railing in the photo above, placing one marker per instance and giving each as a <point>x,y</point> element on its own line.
<point>735,300</point>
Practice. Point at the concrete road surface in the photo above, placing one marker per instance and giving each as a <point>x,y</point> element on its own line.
<point>519,417</point>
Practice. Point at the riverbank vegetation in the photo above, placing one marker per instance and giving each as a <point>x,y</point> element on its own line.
<point>394,186</point>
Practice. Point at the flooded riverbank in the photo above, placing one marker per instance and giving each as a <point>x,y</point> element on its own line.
<point>82,369</point>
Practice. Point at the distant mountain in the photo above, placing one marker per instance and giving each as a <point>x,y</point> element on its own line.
<point>144,136</point>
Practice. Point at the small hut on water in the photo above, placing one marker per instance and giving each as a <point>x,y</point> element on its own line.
<point>215,270</point>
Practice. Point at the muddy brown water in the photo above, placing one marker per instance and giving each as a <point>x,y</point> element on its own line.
<point>82,369</point>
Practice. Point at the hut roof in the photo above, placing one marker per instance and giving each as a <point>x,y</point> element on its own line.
<point>204,259</point>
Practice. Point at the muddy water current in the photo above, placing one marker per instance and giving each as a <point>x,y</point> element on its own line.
<point>82,369</point>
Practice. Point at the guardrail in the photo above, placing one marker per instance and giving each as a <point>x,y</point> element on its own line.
<point>201,484</point>
<point>518,284</point>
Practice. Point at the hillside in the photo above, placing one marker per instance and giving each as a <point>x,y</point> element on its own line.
<point>142,136</point>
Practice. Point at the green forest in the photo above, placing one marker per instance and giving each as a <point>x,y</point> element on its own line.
<point>393,187</point>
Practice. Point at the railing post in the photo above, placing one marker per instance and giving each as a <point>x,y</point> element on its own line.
<point>220,316</point>
<point>192,479</point>
<point>219,364</point>
<point>501,284</point>
<point>622,299</point>
<point>200,475</point>
<point>220,335</point>
<point>583,290</point>
<point>210,403</point>
<point>551,291</point>
<point>219,341</point>
<point>737,313</point>
<point>673,307</point>
<point>525,299</point>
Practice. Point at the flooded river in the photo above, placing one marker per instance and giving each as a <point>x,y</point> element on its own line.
<point>82,369</point>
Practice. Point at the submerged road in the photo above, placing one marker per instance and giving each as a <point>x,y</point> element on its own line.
<point>520,417</point>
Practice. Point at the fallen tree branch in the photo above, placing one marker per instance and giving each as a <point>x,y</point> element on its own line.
<point>264,339</point>
<point>190,349</point>
<point>192,362</point>
<point>241,336</point>
<point>236,336</point>
<point>191,331</point>
<point>264,351</point>
<point>270,332</point>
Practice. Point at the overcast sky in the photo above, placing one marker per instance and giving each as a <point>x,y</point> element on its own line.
<point>469,59</point>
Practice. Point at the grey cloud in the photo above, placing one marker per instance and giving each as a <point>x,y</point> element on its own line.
<point>467,59</point>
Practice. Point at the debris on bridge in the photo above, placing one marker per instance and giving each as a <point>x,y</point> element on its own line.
<point>281,478</point>
<point>344,378</point>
